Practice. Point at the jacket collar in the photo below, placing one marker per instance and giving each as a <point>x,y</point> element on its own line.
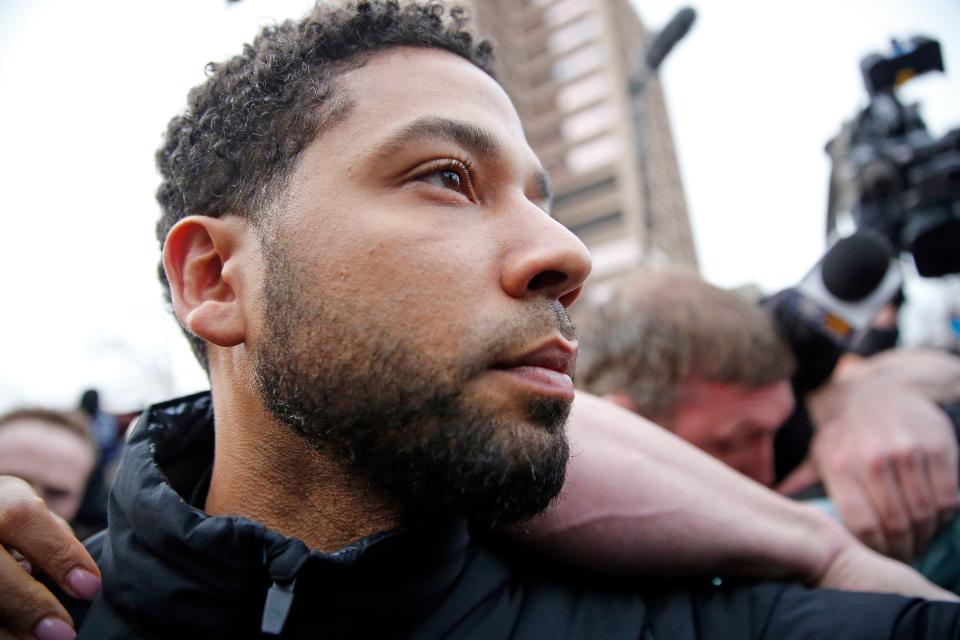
<point>168,565</point>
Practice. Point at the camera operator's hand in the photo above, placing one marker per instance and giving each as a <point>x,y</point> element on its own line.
<point>887,455</point>
<point>32,539</point>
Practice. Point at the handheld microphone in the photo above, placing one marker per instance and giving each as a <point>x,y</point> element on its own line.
<point>848,287</point>
<point>833,305</point>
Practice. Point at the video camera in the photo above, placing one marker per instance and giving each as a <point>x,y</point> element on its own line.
<point>891,174</point>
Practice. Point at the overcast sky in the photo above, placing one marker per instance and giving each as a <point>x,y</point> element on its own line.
<point>86,88</point>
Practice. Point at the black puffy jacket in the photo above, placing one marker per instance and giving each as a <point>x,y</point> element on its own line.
<point>171,571</point>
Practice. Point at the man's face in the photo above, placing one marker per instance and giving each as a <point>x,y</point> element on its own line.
<point>414,294</point>
<point>735,424</point>
<point>54,461</point>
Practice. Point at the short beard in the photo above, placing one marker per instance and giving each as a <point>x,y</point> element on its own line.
<point>400,420</point>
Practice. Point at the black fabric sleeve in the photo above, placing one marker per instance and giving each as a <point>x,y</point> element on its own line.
<point>781,611</point>
<point>792,441</point>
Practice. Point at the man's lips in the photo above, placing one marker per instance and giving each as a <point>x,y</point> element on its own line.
<point>547,369</point>
<point>556,355</point>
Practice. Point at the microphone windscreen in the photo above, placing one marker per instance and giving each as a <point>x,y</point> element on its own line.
<point>855,266</point>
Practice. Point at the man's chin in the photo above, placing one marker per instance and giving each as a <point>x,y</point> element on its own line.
<point>496,496</point>
<point>494,463</point>
<point>518,406</point>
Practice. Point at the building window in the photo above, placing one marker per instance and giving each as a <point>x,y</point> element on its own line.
<point>564,10</point>
<point>591,190</point>
<point>577,63</point>
<point>597,224</point>
<point>583,91</point>
<point>593,154</point>
<point>573,35</point>
<point>588,122</point>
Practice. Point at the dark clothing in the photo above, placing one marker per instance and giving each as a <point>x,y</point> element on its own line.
<point>791,443</point>
<point>169,570</point>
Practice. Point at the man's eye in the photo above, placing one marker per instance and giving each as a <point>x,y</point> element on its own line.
<point>448,174</point>
<point>445,179</point>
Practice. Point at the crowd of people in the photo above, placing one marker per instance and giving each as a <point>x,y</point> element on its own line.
<point>357,243</point>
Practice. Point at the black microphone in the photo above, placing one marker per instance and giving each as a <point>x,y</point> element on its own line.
<point>669,36</point>
<point>833,305</point>
<point>855,266</point>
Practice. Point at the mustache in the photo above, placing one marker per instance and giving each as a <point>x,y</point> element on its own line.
<point>511,337</point>
<point>565,324</point>
<point>538,324</point>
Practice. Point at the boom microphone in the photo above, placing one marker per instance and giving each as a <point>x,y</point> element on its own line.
<point>669,36</point>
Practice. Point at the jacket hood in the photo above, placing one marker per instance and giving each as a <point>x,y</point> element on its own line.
<point>168,566</point>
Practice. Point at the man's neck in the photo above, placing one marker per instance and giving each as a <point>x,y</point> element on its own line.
<point>265,472</point>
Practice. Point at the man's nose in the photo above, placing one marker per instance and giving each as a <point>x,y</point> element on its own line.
<point>544,259</point>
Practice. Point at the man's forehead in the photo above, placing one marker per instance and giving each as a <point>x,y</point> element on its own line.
<point>403,84</point>
<point>39,433</point>
<point>726,394</point>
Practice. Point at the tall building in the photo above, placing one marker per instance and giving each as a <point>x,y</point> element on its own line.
<point>566,64</point>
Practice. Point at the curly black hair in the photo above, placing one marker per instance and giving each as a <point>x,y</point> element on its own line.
<point>233,147</point>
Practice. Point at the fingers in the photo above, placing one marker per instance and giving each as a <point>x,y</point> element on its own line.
<point>31,537</point>
<point>920,478</point>
<point>890,465</point>
<point>887,495</point>
<point>27,608</point>
<point>856,510</point>
<point>918,495</point>
<point>29,527</point>
<point>942,476</point>
<point>937,446</point>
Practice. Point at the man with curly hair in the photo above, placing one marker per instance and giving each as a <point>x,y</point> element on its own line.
<point>356,237</point>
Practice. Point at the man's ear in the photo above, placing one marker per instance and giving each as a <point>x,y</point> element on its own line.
<point>622,400</point>
<point>200,257</point>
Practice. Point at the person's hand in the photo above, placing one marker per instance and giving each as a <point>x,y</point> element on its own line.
<point>888,458</point>
<point>857,568</point>
<point>32,539</point>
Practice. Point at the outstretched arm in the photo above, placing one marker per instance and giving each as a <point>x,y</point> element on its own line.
<point>639,500</point>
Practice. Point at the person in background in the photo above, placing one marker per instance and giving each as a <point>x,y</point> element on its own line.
<point>713,368</point>
<point>53,451</point>
<point>356,238</point>
<point>106,430</point>
<point>697,360</point>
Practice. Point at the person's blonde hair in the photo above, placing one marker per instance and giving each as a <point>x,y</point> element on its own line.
<point>663,328</point>
<point>71,421</point>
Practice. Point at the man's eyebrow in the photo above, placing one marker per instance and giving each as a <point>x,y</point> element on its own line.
<point>468,135</point>
<point>475,139</point>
